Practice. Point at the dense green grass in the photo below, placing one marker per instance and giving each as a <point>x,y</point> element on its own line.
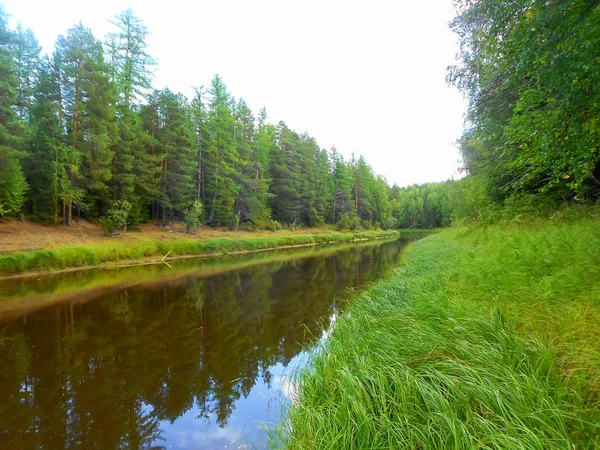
<point>78,256</point>
<point>486,338</point>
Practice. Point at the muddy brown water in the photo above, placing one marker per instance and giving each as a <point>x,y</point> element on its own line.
<point>197,355</point>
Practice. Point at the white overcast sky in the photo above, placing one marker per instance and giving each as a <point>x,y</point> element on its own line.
<point>365,76</point>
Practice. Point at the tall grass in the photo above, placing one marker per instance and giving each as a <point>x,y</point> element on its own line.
<point>484,338</point>
<point>78,256</point>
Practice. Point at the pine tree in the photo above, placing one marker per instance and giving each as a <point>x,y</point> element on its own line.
<point>44,163</point>
<point>285,201</point>
<point>221,158</point>
<point>342,186</point>
<point>12,140</point>
<point>253,145</point>
<point>324,186</point>
<point>88,106</point>
<point>131,71</point>
<point>199,119</point>
<point>27,59</point>
<point>364,189</point>
<point>175,142</point>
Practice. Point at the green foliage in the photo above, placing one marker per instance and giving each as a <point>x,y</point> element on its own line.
<point>425,206</point>
<point>82,129</point>
<point>12,133</point>
<point>12,183</point>
<point>235,221</point>
<point>116,217</point>
<point>483,337</point>
<point>271,225</point>
<point>349,221</point>
<point>529,70</point>
<point>194,216</point>
<point>221,158</point>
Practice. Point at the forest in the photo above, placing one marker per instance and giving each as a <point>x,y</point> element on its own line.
<point>83,134</point>
<point>529,70</point>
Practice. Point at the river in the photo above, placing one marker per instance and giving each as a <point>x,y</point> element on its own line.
<point>197,354</point>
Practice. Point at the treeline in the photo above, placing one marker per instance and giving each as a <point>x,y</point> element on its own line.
<point>425,206</point>
<point>530,72</point>
<point>82,133</point>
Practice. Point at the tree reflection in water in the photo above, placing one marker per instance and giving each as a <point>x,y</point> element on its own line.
<point>109,373</point>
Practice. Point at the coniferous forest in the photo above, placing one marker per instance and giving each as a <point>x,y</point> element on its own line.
<point>83,134</point>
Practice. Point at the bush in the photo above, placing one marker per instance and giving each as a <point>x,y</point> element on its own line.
<point>388,224</point>
<point>235,221</point>
<point>116,218</point>
<point>367,225</point>
<point>271,225</point>
<point>348,222</point>
<point>193,216</point>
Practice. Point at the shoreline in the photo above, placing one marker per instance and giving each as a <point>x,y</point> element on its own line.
<point>115,255</point>
<point>485,334</point>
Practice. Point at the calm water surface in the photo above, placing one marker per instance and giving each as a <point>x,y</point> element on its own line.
<point>197,355</point>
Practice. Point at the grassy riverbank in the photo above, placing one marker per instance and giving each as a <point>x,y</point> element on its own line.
<point>484,338</point>
<point>110,252</point>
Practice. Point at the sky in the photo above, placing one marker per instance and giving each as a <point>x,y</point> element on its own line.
<point>367,77</point>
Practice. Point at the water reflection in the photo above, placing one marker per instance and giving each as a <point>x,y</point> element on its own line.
<point>195,362</point>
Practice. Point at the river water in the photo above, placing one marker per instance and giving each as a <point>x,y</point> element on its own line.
<point>196,355</point>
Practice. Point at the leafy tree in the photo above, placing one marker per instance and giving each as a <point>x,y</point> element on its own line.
<point>530,73</point>
<point>429,205</point>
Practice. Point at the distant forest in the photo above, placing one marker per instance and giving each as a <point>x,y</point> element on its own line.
<point>83,134</point>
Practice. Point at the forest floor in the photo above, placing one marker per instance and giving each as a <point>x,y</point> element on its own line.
<point>23,237</point>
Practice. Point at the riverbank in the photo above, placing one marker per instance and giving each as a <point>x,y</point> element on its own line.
<point>483,338</point>
<point>82,286</point>
<point>148,250</point>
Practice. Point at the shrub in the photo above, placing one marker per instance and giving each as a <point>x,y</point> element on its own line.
<point>235,221</point>
<point>116,218</point>
<point>368,225</point>
<point>193,216</point>
<point>272,225</point>
<point>348,222</point>
<point>388,224</point>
